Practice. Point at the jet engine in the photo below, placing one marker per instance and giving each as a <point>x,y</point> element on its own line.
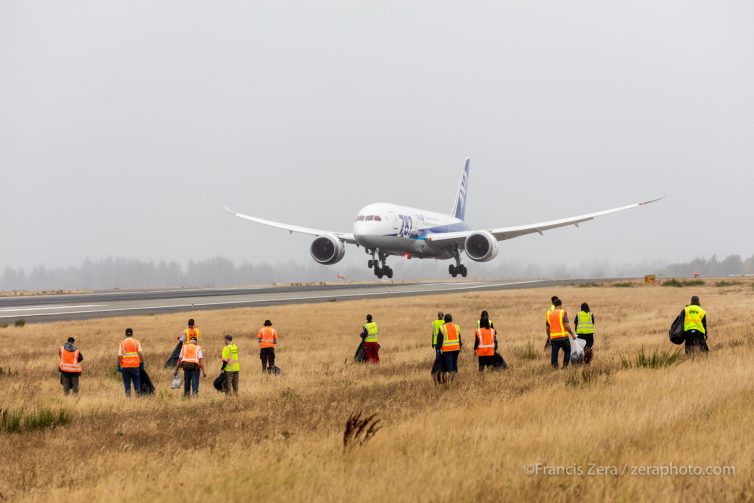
<point>327,250</point>
<point>481,246</point>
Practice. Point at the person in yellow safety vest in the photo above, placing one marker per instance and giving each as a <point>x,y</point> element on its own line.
<point>559,331</point>
<point>268,339</point>
<point>449,340</point>
<point>191,331</point>
<point>436,330</point>
<point>368,334</point>
<point>547,317</point>
<point>70,367</point>
<point>130,359</point>
<point>483,316</point>
<point>485,344</point>
<point>694,320</point>
<point>192,361</point>
<point>230,365</point>
<point>584,324</point>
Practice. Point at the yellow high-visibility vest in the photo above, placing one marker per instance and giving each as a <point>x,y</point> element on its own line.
<point>436,330</point>
<point>586,323</point>
<point>692,319</point>
<point>230,354</point>
<point>372,330</point>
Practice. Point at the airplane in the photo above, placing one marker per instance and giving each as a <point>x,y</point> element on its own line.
<point>385,229</point>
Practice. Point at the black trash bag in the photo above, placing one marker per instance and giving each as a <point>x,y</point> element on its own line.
<point>221,382</point>
<point>439,365</point>
<point>360,356</point>
<point>172,360</point>
<point>676,331</point>
<point>147,388</point>
<point>498,362</point>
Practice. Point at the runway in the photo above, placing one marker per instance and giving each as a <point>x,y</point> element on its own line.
<point>124,303</point>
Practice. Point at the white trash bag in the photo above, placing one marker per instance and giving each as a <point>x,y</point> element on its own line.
<point>577,350</point>
<point>176,382</point>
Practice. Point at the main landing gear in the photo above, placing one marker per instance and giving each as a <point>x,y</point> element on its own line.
<point>458,268</point>
<point>380,267</point>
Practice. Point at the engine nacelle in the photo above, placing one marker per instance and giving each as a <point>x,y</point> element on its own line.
<point>481,246</point>
<point>327,250</point>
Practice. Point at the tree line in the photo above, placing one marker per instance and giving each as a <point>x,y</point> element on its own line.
<point>124,273</point>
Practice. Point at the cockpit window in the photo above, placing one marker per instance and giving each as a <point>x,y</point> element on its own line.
<point>369,218</point>
<point>377,218</point>
<point>360,218</point>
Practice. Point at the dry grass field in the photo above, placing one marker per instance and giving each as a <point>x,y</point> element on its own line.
<point>282,440</point>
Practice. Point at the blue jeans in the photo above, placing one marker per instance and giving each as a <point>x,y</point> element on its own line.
<point>451,361</point>
<point>130,375</point>
<point>191,381</point>
<point>557,344</point>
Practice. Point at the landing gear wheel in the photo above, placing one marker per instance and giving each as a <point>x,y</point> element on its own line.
<point>388,272</point>
<point>370,263</point>
<point>378,272</point>
<point>452,270</point>
<point>462,270</point>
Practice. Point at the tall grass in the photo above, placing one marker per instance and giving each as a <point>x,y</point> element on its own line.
<point>529,352</point>
<point>37,419</point>
<point>653,358</point>
<point>282,439</point>
<point>678,284</point>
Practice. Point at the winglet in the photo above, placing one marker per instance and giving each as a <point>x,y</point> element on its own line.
<point>651,201</point>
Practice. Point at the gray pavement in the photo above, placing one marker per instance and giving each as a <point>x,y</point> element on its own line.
<point>124,303</point>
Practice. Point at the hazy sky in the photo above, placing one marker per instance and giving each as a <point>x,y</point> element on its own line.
<point>126,127</point>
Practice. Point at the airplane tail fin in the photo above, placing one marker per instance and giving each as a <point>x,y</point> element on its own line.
<point>459,205</point>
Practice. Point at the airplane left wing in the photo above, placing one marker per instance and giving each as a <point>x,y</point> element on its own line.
<point>343,236</point>
<point>503,233</point>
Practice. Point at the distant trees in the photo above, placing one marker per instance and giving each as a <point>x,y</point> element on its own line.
<point>123,273</point>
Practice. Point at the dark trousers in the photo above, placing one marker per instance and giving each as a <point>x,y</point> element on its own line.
<point>589,338</point>
<point>556,345</point>
<point>695,341</point>
<point>131,375</point>
<point>191,381</point>
<point>268,358</point>
<point>451,360</point>
<point>372,352</point>
<point>231,381</point>
<point>486,361</point>
<point>70,383</point>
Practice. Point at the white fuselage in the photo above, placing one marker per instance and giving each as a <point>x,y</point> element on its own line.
<point>402,230</point>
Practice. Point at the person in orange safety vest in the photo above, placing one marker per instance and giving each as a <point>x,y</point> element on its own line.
<point>559,332</point>
<point>485,344</point>
<point>130,359</point>
<point>70,366</point>
<point>267,339</point>
<point>191,359</point>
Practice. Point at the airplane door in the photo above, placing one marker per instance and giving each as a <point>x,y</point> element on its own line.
<point>393,220</point>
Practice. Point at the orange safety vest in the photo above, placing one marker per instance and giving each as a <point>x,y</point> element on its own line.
<point>450,337</point>
<point>130,353</point>
<point>191,332</point>
<point>69,361</point>
<point>557,327</point>
<point>485,341</point>
<point>267,337</point>
<point>190,353</point>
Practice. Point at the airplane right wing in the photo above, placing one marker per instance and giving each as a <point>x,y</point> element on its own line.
<point>346,237</point>
<point>503,233</point>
